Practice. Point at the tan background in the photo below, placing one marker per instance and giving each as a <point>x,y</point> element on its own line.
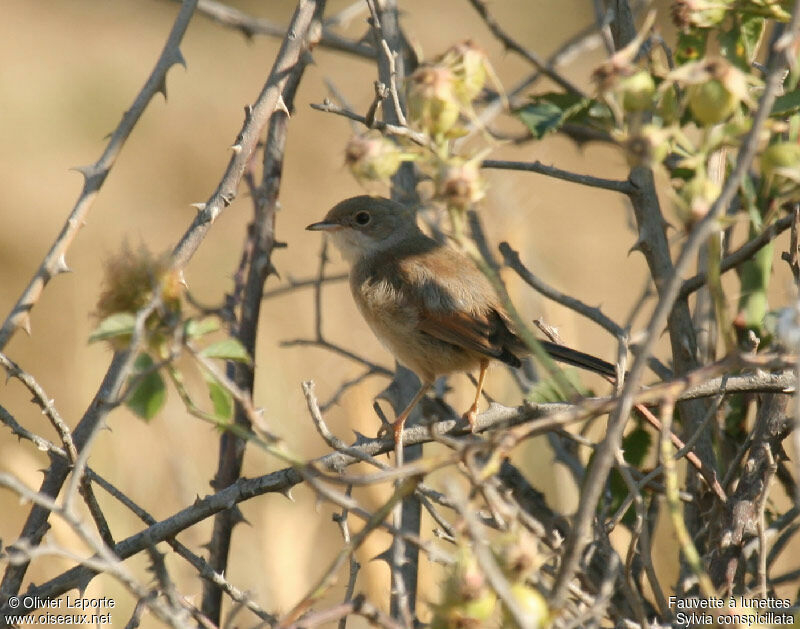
<point>70,68</point>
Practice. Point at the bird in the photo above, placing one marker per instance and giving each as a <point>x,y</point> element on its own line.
<point>427,302</point>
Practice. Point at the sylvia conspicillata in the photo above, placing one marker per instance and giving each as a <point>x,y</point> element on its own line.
<point>426,302</point>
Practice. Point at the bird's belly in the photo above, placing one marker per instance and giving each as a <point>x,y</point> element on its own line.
<point>424,354</point>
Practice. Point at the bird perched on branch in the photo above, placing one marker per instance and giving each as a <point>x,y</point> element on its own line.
<point>427,303</point>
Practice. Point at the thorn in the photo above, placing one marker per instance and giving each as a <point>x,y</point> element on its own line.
<point>248,112</point>
<point>87,171</point>
<point>162,87</point>
<point>182,280</point>
<point>360,438</point>
<point>237,517</point>
<point>61,265</point>
<point>179,58</point>
<point>198,206</point>
<point>279,244</point>
<point>637,246</point>
<point>22,320</point>
<point>281,106</point>
<point>236,148</point>
<point>288,494</point>
<point>84,583</point>
<point>386,556</point>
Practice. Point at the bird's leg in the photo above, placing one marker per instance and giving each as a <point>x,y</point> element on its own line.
<point>402,417</point>
<point>472,414</point>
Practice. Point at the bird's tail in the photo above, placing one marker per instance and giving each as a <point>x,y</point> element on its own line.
<point>573,357</point>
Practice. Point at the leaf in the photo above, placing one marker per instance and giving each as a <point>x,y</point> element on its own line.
<point>786,104</point>
<point>196,328</point>
<point>635,446</point>
<point>691,46</point>
<point>221,399</point>
<point>739,44</point>
<point>118,324</point>
<point>546,113</point>
<point>227,349</point>
<point>150,393</point>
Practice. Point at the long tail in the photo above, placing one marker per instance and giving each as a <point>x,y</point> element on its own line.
<point>575,358</point>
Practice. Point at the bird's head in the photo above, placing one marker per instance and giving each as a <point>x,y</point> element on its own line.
<point>365,225</point>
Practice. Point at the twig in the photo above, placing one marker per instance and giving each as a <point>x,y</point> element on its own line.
<point>383,127</point>
<point>734,259</point>
<point>511,258</point>
<point>614,185</point>
<point>248,25</point>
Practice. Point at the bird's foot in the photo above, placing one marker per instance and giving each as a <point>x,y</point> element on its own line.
<point>471,416</point>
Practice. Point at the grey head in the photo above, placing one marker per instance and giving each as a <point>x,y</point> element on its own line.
<point>364,225</point>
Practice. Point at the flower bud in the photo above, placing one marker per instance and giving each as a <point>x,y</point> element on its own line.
<point>468,63</point>
<point>459,183</point>
<point>372,157</point>
<point>432,103</point>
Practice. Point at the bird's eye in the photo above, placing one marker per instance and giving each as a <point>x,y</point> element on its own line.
<point>362,218</point>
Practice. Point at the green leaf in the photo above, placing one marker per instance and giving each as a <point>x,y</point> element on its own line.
<point>118,324</point>
<point>546,113</point>
<point>227,349</point>
<point>739,44</point>
<point>221,399</point>
<point>636,445</point>
<point>786,104</point>
<point>691,46</point>
<point>150,393</point>
<point>196,328</point>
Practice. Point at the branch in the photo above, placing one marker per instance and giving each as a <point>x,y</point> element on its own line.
<point>745,252</point>
<point>248,25</point>
<point>625,187</point>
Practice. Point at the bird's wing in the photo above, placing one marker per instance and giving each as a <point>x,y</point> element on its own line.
<point>461,311</point>
<point>484,334</point>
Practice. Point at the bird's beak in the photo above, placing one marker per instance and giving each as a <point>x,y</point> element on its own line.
<point>324,226</point>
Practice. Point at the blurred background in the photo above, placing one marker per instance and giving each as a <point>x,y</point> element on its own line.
<point>72,67</point>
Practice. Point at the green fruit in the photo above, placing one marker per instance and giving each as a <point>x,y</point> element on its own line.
<point>780,155</point>
<point>637,91</point>
<point>531,604</point>
<point>711,102</point>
